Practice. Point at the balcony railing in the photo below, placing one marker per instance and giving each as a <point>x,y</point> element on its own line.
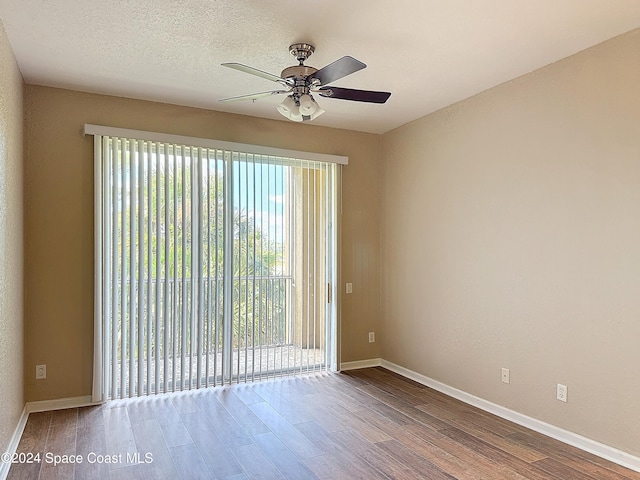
<point>176,337</point>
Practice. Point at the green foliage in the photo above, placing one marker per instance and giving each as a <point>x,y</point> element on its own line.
<point>178,241</point>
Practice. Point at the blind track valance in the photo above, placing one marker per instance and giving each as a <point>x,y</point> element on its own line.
<point>90,129</point>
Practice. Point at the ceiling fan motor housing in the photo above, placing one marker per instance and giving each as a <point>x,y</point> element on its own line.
<point>301,78</point>
<point>298,71</point>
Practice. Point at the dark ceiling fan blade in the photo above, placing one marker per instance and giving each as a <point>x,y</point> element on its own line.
<point>340,68</point>
<point>255,71</point>
<point>253,96</point>
<point>354,95</point>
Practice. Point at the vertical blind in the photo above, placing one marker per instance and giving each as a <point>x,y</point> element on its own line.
<point>213,265</point>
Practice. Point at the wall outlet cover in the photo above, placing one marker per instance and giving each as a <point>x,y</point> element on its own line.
<point>561,392</point>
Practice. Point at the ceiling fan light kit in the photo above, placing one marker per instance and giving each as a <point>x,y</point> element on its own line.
<point>307,104</point>
<point>302,111</point>
<point>302,80</point>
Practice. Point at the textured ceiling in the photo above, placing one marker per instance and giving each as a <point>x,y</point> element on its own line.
<point>428,53</point>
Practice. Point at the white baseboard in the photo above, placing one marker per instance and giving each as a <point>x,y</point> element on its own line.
<point>59,404</point>
<point>41,406</point>
<point>588,445</point>
<point>13,443</point>
<point>373,362</point>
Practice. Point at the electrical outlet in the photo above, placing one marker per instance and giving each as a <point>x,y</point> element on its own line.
<point>349,287</point>
<point>372,337</point>
<point>505,375</point>
<point>41,372</point>
<point>561,392</point>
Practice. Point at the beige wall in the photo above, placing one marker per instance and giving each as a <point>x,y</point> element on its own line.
<point>59,220</point>
<point>11,250</point>
<point>511,238</point>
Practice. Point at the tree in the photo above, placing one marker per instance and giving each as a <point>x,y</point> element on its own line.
<point>180,247</point>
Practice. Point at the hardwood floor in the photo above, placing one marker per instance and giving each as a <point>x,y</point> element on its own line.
<point>367,424</point>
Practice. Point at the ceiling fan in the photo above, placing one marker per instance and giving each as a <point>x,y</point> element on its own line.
<point>300,81</point>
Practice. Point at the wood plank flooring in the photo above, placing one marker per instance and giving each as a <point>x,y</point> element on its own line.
<point>362,424</point>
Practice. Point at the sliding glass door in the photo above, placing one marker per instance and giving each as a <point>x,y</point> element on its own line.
<point>212,266</point>
<point>279,282</point>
